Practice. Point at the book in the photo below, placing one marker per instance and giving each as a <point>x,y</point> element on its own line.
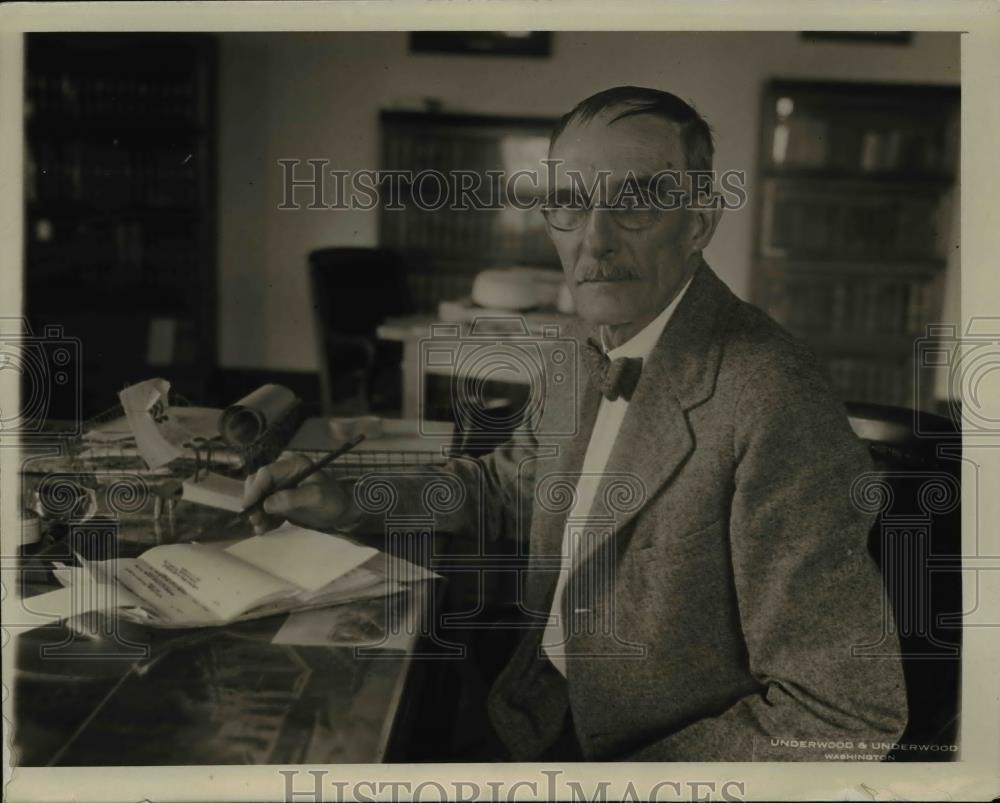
<point>204,585</point>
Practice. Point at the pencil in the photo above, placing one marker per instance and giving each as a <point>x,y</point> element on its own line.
<point>298,477</point>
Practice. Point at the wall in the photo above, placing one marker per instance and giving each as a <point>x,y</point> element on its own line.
<point>317,95</point>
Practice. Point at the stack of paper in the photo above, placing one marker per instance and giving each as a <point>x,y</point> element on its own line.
<point>196,585</point>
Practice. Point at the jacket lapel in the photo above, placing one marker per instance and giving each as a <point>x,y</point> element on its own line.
<point>678,375</point>
<point>654,439</point>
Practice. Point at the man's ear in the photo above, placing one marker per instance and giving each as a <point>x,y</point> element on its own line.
<point>701,228</point>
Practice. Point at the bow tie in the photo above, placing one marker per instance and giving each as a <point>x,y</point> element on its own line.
<point>614,378</point>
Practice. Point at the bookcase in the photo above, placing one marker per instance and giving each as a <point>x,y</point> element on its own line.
<point>446,248</point>
<point>853,224</point>
<point>120,205</point>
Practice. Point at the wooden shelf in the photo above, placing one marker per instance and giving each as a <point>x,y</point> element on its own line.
<point>73,210</point>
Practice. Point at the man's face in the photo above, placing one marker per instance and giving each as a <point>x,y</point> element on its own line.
<point>618,276</point>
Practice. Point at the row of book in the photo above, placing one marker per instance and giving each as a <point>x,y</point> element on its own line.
<point>814,143</point>
<point>496,235</point>
<point>846,304</point>
<point>855,226</point>
<point>110,97</point>
<point>107,175</point>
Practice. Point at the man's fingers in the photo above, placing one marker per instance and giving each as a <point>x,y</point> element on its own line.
<point>260,523</point>
<point>316,507</point>
<point>260,483</point>
<point>283,469</point>
<point>318,502</point>
<point>277,504</point>
<point>319,478</point>
<point>255,486</point>
<point>285,503</point>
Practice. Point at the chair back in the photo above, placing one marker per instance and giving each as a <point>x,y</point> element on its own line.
<point>353,291</point>
<point>916,540</point>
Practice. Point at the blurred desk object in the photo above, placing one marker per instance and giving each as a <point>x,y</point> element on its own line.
<point>491,331</point>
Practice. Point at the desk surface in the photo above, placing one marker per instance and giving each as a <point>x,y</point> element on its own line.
<point>224,695</point>
<point>208,696</point>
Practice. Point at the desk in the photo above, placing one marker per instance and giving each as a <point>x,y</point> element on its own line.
<point>409,440</point>
<point>224,695</point>
<point>209,696</point>
<point>415,331</point>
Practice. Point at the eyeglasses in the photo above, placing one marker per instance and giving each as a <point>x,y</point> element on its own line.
<point>568,211</point>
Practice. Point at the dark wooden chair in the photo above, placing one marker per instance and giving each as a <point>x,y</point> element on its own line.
<point>353,291</point>
<point>916,541</point>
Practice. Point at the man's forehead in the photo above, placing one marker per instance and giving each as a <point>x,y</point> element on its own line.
<point>638,143</point>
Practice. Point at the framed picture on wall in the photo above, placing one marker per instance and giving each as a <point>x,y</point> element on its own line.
<point>860,37</point>
<point>483,43</point>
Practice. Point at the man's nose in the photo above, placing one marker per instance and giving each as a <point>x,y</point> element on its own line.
<point>600,233</point>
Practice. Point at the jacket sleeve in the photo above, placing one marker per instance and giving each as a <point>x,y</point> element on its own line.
<point>485,498</point>
<point>809,594</point>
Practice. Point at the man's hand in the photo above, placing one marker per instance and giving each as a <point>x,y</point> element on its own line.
<point>319,503</point>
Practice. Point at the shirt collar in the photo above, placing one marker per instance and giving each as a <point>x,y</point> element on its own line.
<point>641,343</point>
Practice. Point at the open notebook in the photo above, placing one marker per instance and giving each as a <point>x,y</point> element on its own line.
<point>197,585</point>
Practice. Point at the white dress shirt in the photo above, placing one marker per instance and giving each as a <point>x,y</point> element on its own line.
<point>610,415</point>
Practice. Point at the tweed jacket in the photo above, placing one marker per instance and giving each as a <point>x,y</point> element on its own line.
<point>723,580</point>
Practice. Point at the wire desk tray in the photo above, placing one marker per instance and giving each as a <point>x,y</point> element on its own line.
<point>357,464</point>
<point>106,447</point>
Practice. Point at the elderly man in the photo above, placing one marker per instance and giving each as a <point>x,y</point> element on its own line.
<point>733,570</point>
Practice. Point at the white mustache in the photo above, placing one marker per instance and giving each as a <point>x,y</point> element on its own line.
<point>603,272</point>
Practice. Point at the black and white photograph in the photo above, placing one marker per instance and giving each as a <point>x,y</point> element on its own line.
<point>518,414</point>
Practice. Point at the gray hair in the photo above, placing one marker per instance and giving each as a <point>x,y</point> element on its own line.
<point>696,134</point>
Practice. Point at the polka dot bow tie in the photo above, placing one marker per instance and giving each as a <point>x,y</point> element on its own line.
<point>616,379</point>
